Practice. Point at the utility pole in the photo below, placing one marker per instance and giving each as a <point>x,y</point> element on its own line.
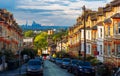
<point>61,45</point>
<point>84,9</point>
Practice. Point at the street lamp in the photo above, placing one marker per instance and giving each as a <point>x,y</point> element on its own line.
<point>84,9</point>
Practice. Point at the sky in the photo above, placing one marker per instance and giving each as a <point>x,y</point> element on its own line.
<point>49,12</point>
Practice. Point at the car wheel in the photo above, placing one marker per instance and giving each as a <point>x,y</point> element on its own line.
<point>75,73</point>
<point>68,70</point>
<point>41,74</point>
<point>118,74</point>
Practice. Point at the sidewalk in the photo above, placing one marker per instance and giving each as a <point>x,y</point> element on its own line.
<point>17,72</point>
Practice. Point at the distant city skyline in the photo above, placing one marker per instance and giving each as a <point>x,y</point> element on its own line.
<point>49,12</point>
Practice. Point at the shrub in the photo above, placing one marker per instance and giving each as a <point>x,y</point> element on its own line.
<point>89,58</point>
<point>94,61</point>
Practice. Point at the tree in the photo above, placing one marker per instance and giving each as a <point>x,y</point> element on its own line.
<point>29,52</point>
<point>29,33</point>
<point>40,41</point>
<point>59,35</point>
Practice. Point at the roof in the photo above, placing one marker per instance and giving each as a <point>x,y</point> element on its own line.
<point>108,8</point>
<point>99,23</point>
<point>94,27</point>
<point>107,20</point>
<point>115,2</point>
<point>117,15</point>
<point>88,28</point>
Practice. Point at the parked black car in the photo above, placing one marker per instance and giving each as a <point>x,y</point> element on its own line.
<point>72,64</point>
<point>58,61</point>
<point>84,69</point>
<point>65,62</point>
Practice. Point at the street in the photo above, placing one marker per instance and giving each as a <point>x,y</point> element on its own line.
<point>50,69</point>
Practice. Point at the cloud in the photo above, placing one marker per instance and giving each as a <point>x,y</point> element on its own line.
<point>57,12</point>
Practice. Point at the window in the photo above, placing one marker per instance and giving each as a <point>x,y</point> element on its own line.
<point>82,35</point>
<point>100,49</point>
<point>82,47</point>
<point>119,28</point>
<point>0,31</point>
<point>100,32</point>
<point>88,49</point>
<point>118,49</point>
<point>88,34</point>
<point>114,29</point>
<point>108,30</point>
<point>108,50</point>
<point>94,36</point>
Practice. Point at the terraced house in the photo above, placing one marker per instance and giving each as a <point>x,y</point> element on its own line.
<point>10,33</point>
<point>102,33</point>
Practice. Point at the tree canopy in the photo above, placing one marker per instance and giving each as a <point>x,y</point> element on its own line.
<point>58,35</point>
<point>29,33</point>
<point>40,41</point>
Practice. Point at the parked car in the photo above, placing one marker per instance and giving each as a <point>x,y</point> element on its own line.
<point>72,64</point>
<point>52,59</point>
<point>34,67</point>
<point>65,62</point>
<point>84,69</point>
<point>117,72</point>
<point>58,61</point>
<point>40,59</point>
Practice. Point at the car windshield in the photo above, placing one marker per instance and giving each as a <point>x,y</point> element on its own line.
<point>86,64</point>
<point>80,63</point>
<point>58,59</point>
<point>74,61</point>
<point>66,60</point>
<point>34,63</point>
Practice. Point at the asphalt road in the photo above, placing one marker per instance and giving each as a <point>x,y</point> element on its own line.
<point>51,69</point>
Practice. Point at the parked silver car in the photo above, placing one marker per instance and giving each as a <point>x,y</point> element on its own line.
<point>34,67</point>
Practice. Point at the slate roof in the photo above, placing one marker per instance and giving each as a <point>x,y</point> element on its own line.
<point>107,20</point>
<point>117,15</point>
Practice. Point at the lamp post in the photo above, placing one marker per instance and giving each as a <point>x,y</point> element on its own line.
<point>84,9</point>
